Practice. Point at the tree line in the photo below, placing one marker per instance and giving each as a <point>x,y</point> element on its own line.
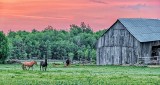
<point>77,43</point>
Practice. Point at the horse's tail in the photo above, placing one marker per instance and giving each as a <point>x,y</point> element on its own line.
<point>23,66</point>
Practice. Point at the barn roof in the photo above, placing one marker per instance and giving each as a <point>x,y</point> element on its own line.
<point>144,30</point>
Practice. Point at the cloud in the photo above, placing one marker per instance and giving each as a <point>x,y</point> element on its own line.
<point>136,7</point>
<point>98,1</point>
<point>42,17</point>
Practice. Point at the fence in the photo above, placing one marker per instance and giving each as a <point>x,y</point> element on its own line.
<point>153,60</point>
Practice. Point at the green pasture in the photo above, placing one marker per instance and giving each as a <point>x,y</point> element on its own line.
<point>79,75</point>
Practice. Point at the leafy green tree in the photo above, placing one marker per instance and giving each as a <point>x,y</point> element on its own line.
<point>3,47</point>
<point>93,54</point>
<point>34,31</point>
<point>71,55</point>
<point>80,54</point>
<point>77,43</point>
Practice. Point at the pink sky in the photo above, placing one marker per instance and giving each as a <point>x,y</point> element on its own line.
<point>99,14</point>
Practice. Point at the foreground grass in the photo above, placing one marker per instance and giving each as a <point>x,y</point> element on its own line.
<point>80,75</point>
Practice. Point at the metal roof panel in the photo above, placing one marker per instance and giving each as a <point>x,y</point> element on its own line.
<point>144,30</point>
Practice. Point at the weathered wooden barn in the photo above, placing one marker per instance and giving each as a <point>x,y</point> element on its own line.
<point>130,41</point>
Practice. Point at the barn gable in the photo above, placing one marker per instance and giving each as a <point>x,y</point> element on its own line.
<point>109,37</point>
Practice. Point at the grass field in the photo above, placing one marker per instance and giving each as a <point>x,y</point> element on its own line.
<point>80,75</point>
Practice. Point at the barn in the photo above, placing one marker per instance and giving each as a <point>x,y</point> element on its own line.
<point>130,41</point>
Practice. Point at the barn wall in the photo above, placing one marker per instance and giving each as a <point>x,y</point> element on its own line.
<point>117,46</point>
<point>146,50</point>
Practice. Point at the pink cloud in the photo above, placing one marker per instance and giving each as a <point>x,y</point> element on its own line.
<point>99,1</point>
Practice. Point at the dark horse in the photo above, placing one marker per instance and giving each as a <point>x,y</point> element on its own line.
<point>68,62</point>
<point>43,65</point>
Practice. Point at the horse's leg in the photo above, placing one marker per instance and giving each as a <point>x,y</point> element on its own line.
<point>22,66</point>
<point>45,68</point>
<point>25,68</point>
<point>40,67</point>
<point>32,68</point>
<point>28,68</point>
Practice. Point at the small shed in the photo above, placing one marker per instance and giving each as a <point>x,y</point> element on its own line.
<point>130,41</point>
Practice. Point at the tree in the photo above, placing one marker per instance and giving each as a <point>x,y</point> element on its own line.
<point>34,31</point>
<point>70,55</point>
<point>77,43</point>
<point>3,47</point>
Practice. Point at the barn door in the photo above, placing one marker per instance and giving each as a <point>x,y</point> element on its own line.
<point>128,56</point>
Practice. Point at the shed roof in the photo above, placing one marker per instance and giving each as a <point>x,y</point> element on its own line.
<point>144,30</point>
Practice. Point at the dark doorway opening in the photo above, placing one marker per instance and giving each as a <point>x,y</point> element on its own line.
<point>155,54</point>
<point>155,50</point>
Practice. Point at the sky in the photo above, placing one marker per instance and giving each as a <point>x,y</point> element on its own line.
<point>99,14</point>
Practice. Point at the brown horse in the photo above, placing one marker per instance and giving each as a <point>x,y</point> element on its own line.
<point>28,64</point>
